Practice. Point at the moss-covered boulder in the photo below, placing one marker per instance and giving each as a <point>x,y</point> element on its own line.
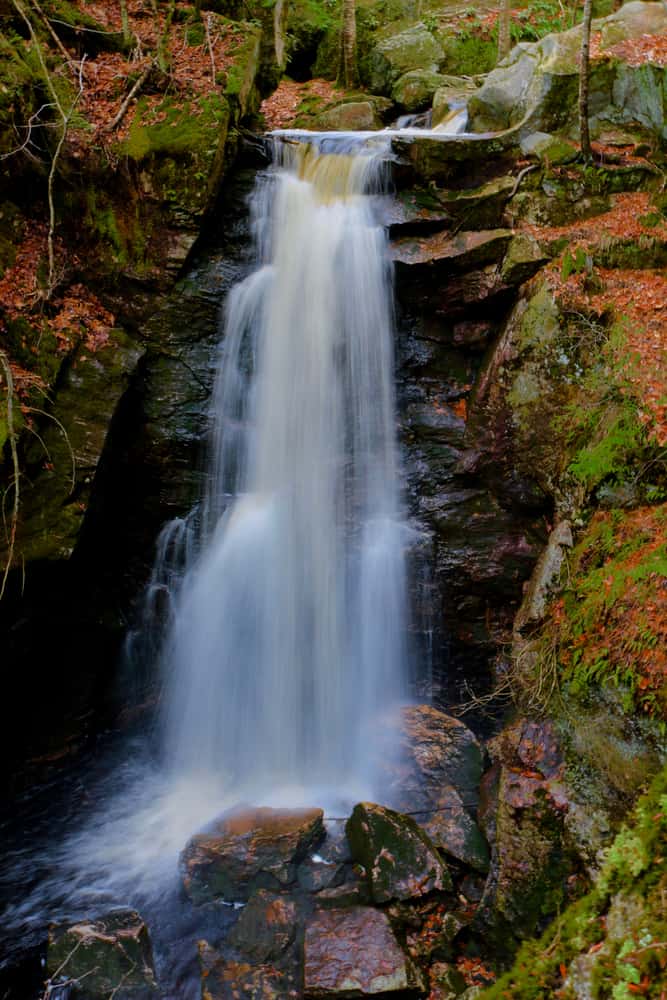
<point>267,926</point>
<point>248,850</point>
<point>400,860</point>
<point>537,84</point>
<point>109,955</point>
<point>392,57</point>
<point>414,90</point>
<point>351,116</point>
<point>354,953</point>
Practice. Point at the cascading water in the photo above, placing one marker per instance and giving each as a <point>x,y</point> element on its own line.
<point>285,643</point>
<point>287,640</point>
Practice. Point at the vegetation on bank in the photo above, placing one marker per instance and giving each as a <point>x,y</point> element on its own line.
<point>612,943</point>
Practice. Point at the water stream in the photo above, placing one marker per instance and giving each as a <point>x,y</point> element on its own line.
<point>283,648</point>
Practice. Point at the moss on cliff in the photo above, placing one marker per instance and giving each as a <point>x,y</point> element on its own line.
<point>614,938</point>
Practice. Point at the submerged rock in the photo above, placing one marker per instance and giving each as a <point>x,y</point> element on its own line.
<point>400,860</point>
<point>248,850</point>
<point>353,953</point>
<point>110,955</point>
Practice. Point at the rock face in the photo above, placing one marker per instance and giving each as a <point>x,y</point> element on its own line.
<point>399,858</point>
<point>353,953</point>
<point>412,49</point>
<point>452,93</point>
<point>536,85</point>
<point>109,955</point>
<point>249,850</point>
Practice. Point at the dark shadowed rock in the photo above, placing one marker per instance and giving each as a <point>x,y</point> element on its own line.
<point>229,980</point>
<point>248,850</point>
<point>400,860</point>
<point>353,953</point>
<point>266,927</point>
<point>110,955</point>
<point>462,252</point>
<point>452,830</point>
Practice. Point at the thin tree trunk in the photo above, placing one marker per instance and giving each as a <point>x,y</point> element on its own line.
<point>504,34</point>
<point>125,22</point>
<point>349,45</point>
<point>584,74</point>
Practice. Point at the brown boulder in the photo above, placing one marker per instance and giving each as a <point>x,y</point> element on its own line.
<point>353,953</point>
<point>228,980</point>
<point>249,849</point>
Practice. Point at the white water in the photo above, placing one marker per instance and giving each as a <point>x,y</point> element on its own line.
<point>285,644</point>
<point>287,640</point>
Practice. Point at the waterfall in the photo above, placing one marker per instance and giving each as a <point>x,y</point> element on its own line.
<point>287,640</point>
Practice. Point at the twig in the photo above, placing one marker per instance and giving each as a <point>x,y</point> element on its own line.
<point>11,434</point>
<point>520,176</point>
<point>30,126</point>
<point>50,416</point>
<point>126,103</point>
<point>207,24</point>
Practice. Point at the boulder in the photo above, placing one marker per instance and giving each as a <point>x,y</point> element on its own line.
<point>414,48</point>
<point>247,850</point>
<point>353,953</point>
<point>266,927</point>
<point>352,116</point>
<point>537,84</point>
<point>414,90</point>
<point>109,955</point>
<point>479,207</point>
<point>400,860</point>
<point>224,979</point>
<point>457,160</point>
<point>454,832</point>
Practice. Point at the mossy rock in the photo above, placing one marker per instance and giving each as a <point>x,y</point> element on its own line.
<point>414,90</point>
<point>400,860</point>
<point>412,49</point>
<point>107,955</point>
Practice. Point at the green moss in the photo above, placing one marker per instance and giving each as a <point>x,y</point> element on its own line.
<point>176,129</point>
<point>623,916</point>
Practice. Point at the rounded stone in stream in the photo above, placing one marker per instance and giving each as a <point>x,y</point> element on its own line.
<point>110,955</point>
<point>353,953</point>
<point>249,849</point>
<point>400,860</point>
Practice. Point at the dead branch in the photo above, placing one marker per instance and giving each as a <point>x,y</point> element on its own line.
<point>126,103</point>
<point>11,435</point>
<point>209,43</point>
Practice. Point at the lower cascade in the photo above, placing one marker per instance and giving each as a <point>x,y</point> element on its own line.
<point>287,636</point>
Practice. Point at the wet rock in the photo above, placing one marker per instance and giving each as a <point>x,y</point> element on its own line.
<point>460,160</point>
<point>353,953</point>
<point>348,894</point>
<point>437,752</point>
<point>453,831</point>
<point>224,979</point>
<point>523,258</point>
<point>248,850</point>
<point>350,117</point>
<point>416,210</point>
<point>481,207</point>
<point>414,90</point>
<point>267,926</point>
<point>109,955</point>
<point>442,252</point>
<point>450,96</point>
<point>414,48</point>
<point>400,860</point>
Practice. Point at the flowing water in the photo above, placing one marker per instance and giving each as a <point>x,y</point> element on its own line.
<point>284,645</point>
<point>287,640</point>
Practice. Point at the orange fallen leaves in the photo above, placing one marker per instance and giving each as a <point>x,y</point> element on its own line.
<point>280,109</point>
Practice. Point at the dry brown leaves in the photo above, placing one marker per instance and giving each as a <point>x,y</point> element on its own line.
<point>280,109</point>
<point>633,51</point>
